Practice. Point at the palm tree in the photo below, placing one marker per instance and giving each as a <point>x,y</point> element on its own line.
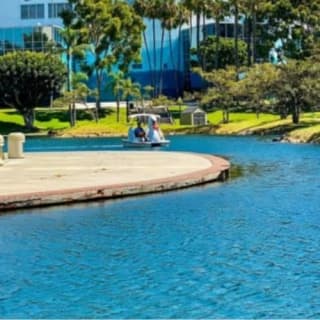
<point>251,10</point>
<point>70,38</point>
<point>217,11</point>
<point>196,7</point>
<point>130,89</point>
<point>164,17</point>
<point>234,6</point>
<point>141,8</point>
<point>152,12</point>
<point>116,83</point>
<point>181,18</point>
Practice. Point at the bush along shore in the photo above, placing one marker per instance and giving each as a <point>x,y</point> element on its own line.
<point>54,122</point>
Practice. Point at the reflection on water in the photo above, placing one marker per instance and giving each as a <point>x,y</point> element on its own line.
<point>247,248</point>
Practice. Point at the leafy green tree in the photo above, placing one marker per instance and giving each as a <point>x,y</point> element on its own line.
<point>78,93</point>
<point>116,80</point>
<point>297,87</point>
<point>71,47</point>
<point>113,31</point>
<point>123,87</point>
<point>225,55</point>
<point>257,87</point>
<point>224,91</point>
<point>29,78</point>
<point>130,90</point>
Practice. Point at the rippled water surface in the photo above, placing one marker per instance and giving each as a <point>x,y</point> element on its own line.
<point>248,248</point>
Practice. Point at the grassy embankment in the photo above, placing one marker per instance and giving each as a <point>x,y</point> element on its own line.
<point>56,121</point>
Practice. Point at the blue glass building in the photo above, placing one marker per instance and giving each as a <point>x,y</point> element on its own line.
<point>29,24</point>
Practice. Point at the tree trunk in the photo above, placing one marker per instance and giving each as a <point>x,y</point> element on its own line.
<point>249,40</point>
<point>190,30</point>
<point>198,31</point>
<point>127,110</point>
<point>296,114</point>
<point>68,70</point>
<point>204,36</point>
<point>98,99</point>
<point>148,57</point>
<point>254,36</point>
<point>236,39</point>
<point>216,62</point>
<point>29,117</point>
<point>174,66</point>
<point>161,63</point>
<point>179,67</point>
<point>70,115</point>
<point>74,114</point>
<point>118,107</point>
<point>154,58</point>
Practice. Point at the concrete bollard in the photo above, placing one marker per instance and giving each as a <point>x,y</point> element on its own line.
<point>15,145</point>
<point>1,150</point>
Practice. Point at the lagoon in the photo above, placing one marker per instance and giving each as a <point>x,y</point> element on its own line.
<point>248,248</point>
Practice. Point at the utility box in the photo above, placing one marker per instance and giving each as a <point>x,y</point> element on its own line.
<point>1,150</point>
<point>15,145</point>
<point>193,116</point>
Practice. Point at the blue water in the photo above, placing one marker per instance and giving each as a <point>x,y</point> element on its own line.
<point>248,248</point>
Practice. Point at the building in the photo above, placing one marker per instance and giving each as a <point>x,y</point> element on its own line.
<point>29,24</point>
<point>193,116</point>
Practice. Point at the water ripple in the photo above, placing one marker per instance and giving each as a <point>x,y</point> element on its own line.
<point>249,248</point>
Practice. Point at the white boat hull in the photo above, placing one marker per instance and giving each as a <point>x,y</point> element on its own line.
<point>144,144</point>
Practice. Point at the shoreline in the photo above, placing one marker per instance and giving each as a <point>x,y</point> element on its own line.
<point>282,137</point>
<point>81,177</point>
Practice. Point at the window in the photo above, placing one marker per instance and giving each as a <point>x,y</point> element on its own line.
<point>32,11</point>
<point>56,8</point>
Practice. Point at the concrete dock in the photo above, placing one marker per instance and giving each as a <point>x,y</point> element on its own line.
<point>41,179</point>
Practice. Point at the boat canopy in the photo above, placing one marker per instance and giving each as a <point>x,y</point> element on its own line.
<point>144,115</point>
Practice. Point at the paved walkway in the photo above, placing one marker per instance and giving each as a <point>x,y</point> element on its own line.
<point>52,178</point>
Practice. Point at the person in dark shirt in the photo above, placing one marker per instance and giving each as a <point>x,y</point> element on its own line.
<point>139,132</point>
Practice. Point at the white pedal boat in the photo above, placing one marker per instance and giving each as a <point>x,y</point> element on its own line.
<point>153,135</point>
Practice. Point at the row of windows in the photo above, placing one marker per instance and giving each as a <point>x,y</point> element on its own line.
<point>36,11</point>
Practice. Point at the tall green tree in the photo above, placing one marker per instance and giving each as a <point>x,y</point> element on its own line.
<point>297,87</point>
<point>224,91</point>
<point>165,20</point>
<point>258,88</point>
<point>72,49</point>
<point>27,79</point>
<point>254,12</point>
<point>199,8</point>
<point>113,30</point>
<point>78,93</point>
<point>115,83</point>
<point>217,10</point>
<point>130,90</point>
<point>141,7</point>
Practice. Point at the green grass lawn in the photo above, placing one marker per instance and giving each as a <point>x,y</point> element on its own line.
<point>57,121</point>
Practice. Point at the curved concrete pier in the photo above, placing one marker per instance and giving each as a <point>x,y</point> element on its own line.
<point>55,178</point>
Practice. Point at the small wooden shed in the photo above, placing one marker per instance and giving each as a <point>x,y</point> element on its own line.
<point>193,116</point>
